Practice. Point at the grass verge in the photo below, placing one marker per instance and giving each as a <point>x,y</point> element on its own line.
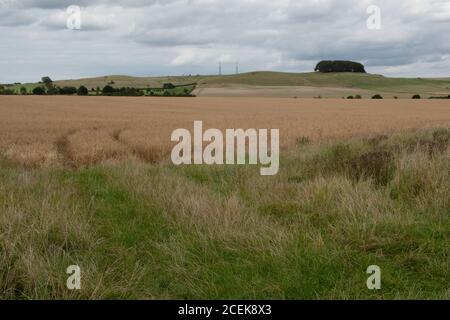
<point>157,231</point>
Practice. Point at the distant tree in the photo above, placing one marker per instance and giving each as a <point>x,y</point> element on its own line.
<point>38,91</point>
<point>68,90</point>
<point>50,88</point>
<point>53,90</point>
<point>23,90</point>
<point>339,66</point>
<point>82,91</point>
<point>377,96</point>
<point>350,97</point>
<point>47,81</point>
<point>416,96</point>
<point>108,90</point>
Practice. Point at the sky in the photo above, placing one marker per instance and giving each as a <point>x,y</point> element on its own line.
<point>408,38</point>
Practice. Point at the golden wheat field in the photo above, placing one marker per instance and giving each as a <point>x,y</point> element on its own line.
<point>81,131</point>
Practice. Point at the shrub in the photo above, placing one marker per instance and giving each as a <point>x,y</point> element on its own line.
<point>23,90</point>
<point>377,96</point>
<point>416,96</point>
<point>108,90</point>
<point>67,90</point>
<point>168,86</point>
<point>82,91</point>
<point>38,91</point>
<point>6,91</point>
<point>52,90</point>
<point>358,96</point>
<point>350,97</point>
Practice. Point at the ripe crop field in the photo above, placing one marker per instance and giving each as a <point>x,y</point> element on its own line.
<point>82,131</point>
<point>87,181</point>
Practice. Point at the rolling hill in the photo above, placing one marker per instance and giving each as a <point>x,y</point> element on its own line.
<point>281,84</point>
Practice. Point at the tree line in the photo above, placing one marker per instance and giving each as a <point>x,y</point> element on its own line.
<point>47,87</point>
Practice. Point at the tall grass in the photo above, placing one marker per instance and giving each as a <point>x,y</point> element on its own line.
<point>197,232</point>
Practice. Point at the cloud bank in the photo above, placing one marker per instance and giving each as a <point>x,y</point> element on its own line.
<point>173,37</point>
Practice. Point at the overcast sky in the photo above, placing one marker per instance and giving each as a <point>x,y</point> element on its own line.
<point>172,37</point>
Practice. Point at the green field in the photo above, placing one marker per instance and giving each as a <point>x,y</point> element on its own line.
<point>369,84</point>
<point>158,231</point>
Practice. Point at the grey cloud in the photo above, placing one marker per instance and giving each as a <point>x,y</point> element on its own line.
<point>14,18</point>
<point>190,36</point>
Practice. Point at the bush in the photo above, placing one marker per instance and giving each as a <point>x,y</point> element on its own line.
<point>168,86</point>
<point>23,90</point>
<point>67,90</point>
<point>39,91</point>
<point>350,97</point>
<point>339,66</point>
<point>377,96</point>
<point>108,90</point>
<point>416,96</point>
<point>358,96</point>
<point>52,90</point>
<point>82,91</point>
<point>123,92</point>
<point>6,91</point>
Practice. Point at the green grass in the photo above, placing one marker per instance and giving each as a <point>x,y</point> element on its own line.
<point>402,87</point>
<point>199,232</point>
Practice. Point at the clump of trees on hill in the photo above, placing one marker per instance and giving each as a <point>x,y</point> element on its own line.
<point>327,66</point>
